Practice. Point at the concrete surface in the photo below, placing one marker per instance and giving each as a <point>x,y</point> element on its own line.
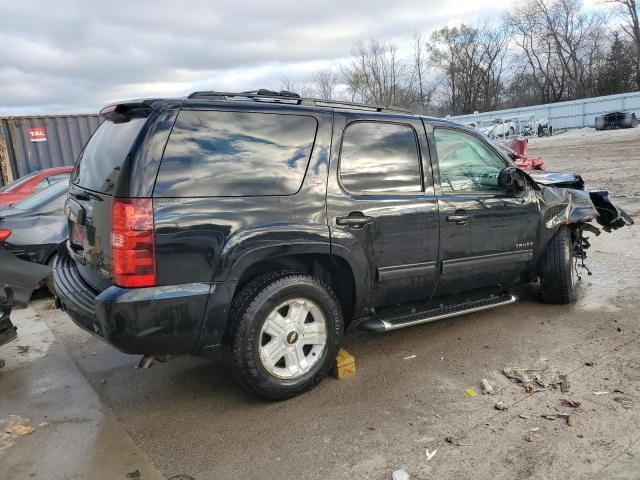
<point>75,436</point>
<point>188,418</point>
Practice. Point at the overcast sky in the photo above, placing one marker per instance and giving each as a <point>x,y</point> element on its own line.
<point>76,55</point>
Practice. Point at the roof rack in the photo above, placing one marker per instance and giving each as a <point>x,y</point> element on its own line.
<point>291,98</point>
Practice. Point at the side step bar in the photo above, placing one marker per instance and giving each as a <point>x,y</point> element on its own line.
<point>384,324</point>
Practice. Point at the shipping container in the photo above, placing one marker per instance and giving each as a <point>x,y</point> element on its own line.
<point>29,144</point>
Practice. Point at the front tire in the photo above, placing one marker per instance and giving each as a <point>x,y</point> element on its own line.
<point>557,274</point>
<point>285,331</point>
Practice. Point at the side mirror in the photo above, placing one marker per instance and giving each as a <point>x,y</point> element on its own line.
<point>511,180</point>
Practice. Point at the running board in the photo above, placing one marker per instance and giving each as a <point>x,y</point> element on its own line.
<point>387,323</point>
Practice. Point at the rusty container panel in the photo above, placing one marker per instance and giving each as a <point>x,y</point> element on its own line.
<point>37,142</point>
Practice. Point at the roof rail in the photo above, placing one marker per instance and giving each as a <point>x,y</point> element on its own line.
<point>291,98</point>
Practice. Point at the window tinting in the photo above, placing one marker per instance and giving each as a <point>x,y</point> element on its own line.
<point>100,162</point>
<point>466,164</point>
<point>219,153</point>
<point>380,158</point>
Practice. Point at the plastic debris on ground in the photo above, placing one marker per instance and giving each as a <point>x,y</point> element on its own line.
<point>534,379</point>
<point>400,475</point>
<point>470,392</point>
<point>430,455</point>
<point>487,389</point>
<point>500,406</point>
<point>457,442</point>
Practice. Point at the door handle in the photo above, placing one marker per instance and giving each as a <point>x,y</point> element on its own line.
<point>355,220</point>
<point>459,218</point>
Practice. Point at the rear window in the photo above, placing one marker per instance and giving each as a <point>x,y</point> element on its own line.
<point>221,153</point>
<point>100,162</point>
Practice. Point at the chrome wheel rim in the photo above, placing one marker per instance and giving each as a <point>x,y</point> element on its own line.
<point>292,339</point>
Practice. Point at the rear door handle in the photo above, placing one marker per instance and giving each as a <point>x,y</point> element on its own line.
<point>354,220</point>
<point>459,218</point>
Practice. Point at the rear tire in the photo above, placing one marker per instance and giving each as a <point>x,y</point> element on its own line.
<point>557,276</point>
<point>293,315</point>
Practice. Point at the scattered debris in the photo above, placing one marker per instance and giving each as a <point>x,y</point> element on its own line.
<point>487,389</point>
<point>550,417</point>
<point>409,357</point>
<point>601,393</point>
<point>500,406</point>
<point>400,475</point>
<point>570,403</point>
<point>625,402</point>
<point>134,474</point>
<point>430,455</point>
<point>23,349</point>
<point>373,429</point>
<point>571,420</point>
<point>529,438</point>
<point>2,363</point>
<point>454,441</point>
<point>526,417</point>
<point>19,429</point>
<point>529,378</point>
<point>588,364</point>
<point>470,392</point>
<point>564,384</point>
<point>534,429</point>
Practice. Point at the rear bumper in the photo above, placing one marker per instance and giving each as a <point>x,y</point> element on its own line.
<point>154,320</point>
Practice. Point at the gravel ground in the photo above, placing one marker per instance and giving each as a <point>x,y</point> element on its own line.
<point>409,392</point>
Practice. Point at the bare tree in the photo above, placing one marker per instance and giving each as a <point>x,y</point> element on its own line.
<point>325,83</point>
<point>376,74</point>
<point>471,63</point>
<point>418,82</point>
<point>562,46</point>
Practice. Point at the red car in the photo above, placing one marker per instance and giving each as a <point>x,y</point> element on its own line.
<point>31,183</point>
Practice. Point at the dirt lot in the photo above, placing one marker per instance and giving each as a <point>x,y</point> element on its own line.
<point>187,418</point>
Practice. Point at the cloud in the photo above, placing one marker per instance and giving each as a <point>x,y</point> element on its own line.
<point>74,55</point>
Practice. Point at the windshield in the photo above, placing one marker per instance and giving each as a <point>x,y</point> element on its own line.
<point>16,184</point>
<point>39,199</point>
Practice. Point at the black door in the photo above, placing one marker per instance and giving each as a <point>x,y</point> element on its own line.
<point>486,235</point>
<point>381,206</point>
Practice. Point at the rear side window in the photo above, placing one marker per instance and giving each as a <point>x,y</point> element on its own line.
<point>380,158</point>
<point>221,153</point>
<point>99,164</point>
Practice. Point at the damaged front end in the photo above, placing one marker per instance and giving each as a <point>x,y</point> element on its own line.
<point>564,201</point>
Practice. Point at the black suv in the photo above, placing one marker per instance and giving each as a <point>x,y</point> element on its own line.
<point>262,225</point>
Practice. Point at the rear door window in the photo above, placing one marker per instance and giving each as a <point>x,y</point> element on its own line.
<point>223,153</point>
<point>380,159</point>
<point>100,163</point>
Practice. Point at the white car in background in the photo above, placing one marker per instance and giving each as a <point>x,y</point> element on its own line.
<point>499,127</point>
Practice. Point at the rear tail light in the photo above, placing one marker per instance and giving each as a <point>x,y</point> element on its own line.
<point>4,234</point>
<point>133,255</point>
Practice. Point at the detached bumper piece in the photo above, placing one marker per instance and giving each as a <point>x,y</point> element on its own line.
<point>146,321</point>
<point>8,330</point>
